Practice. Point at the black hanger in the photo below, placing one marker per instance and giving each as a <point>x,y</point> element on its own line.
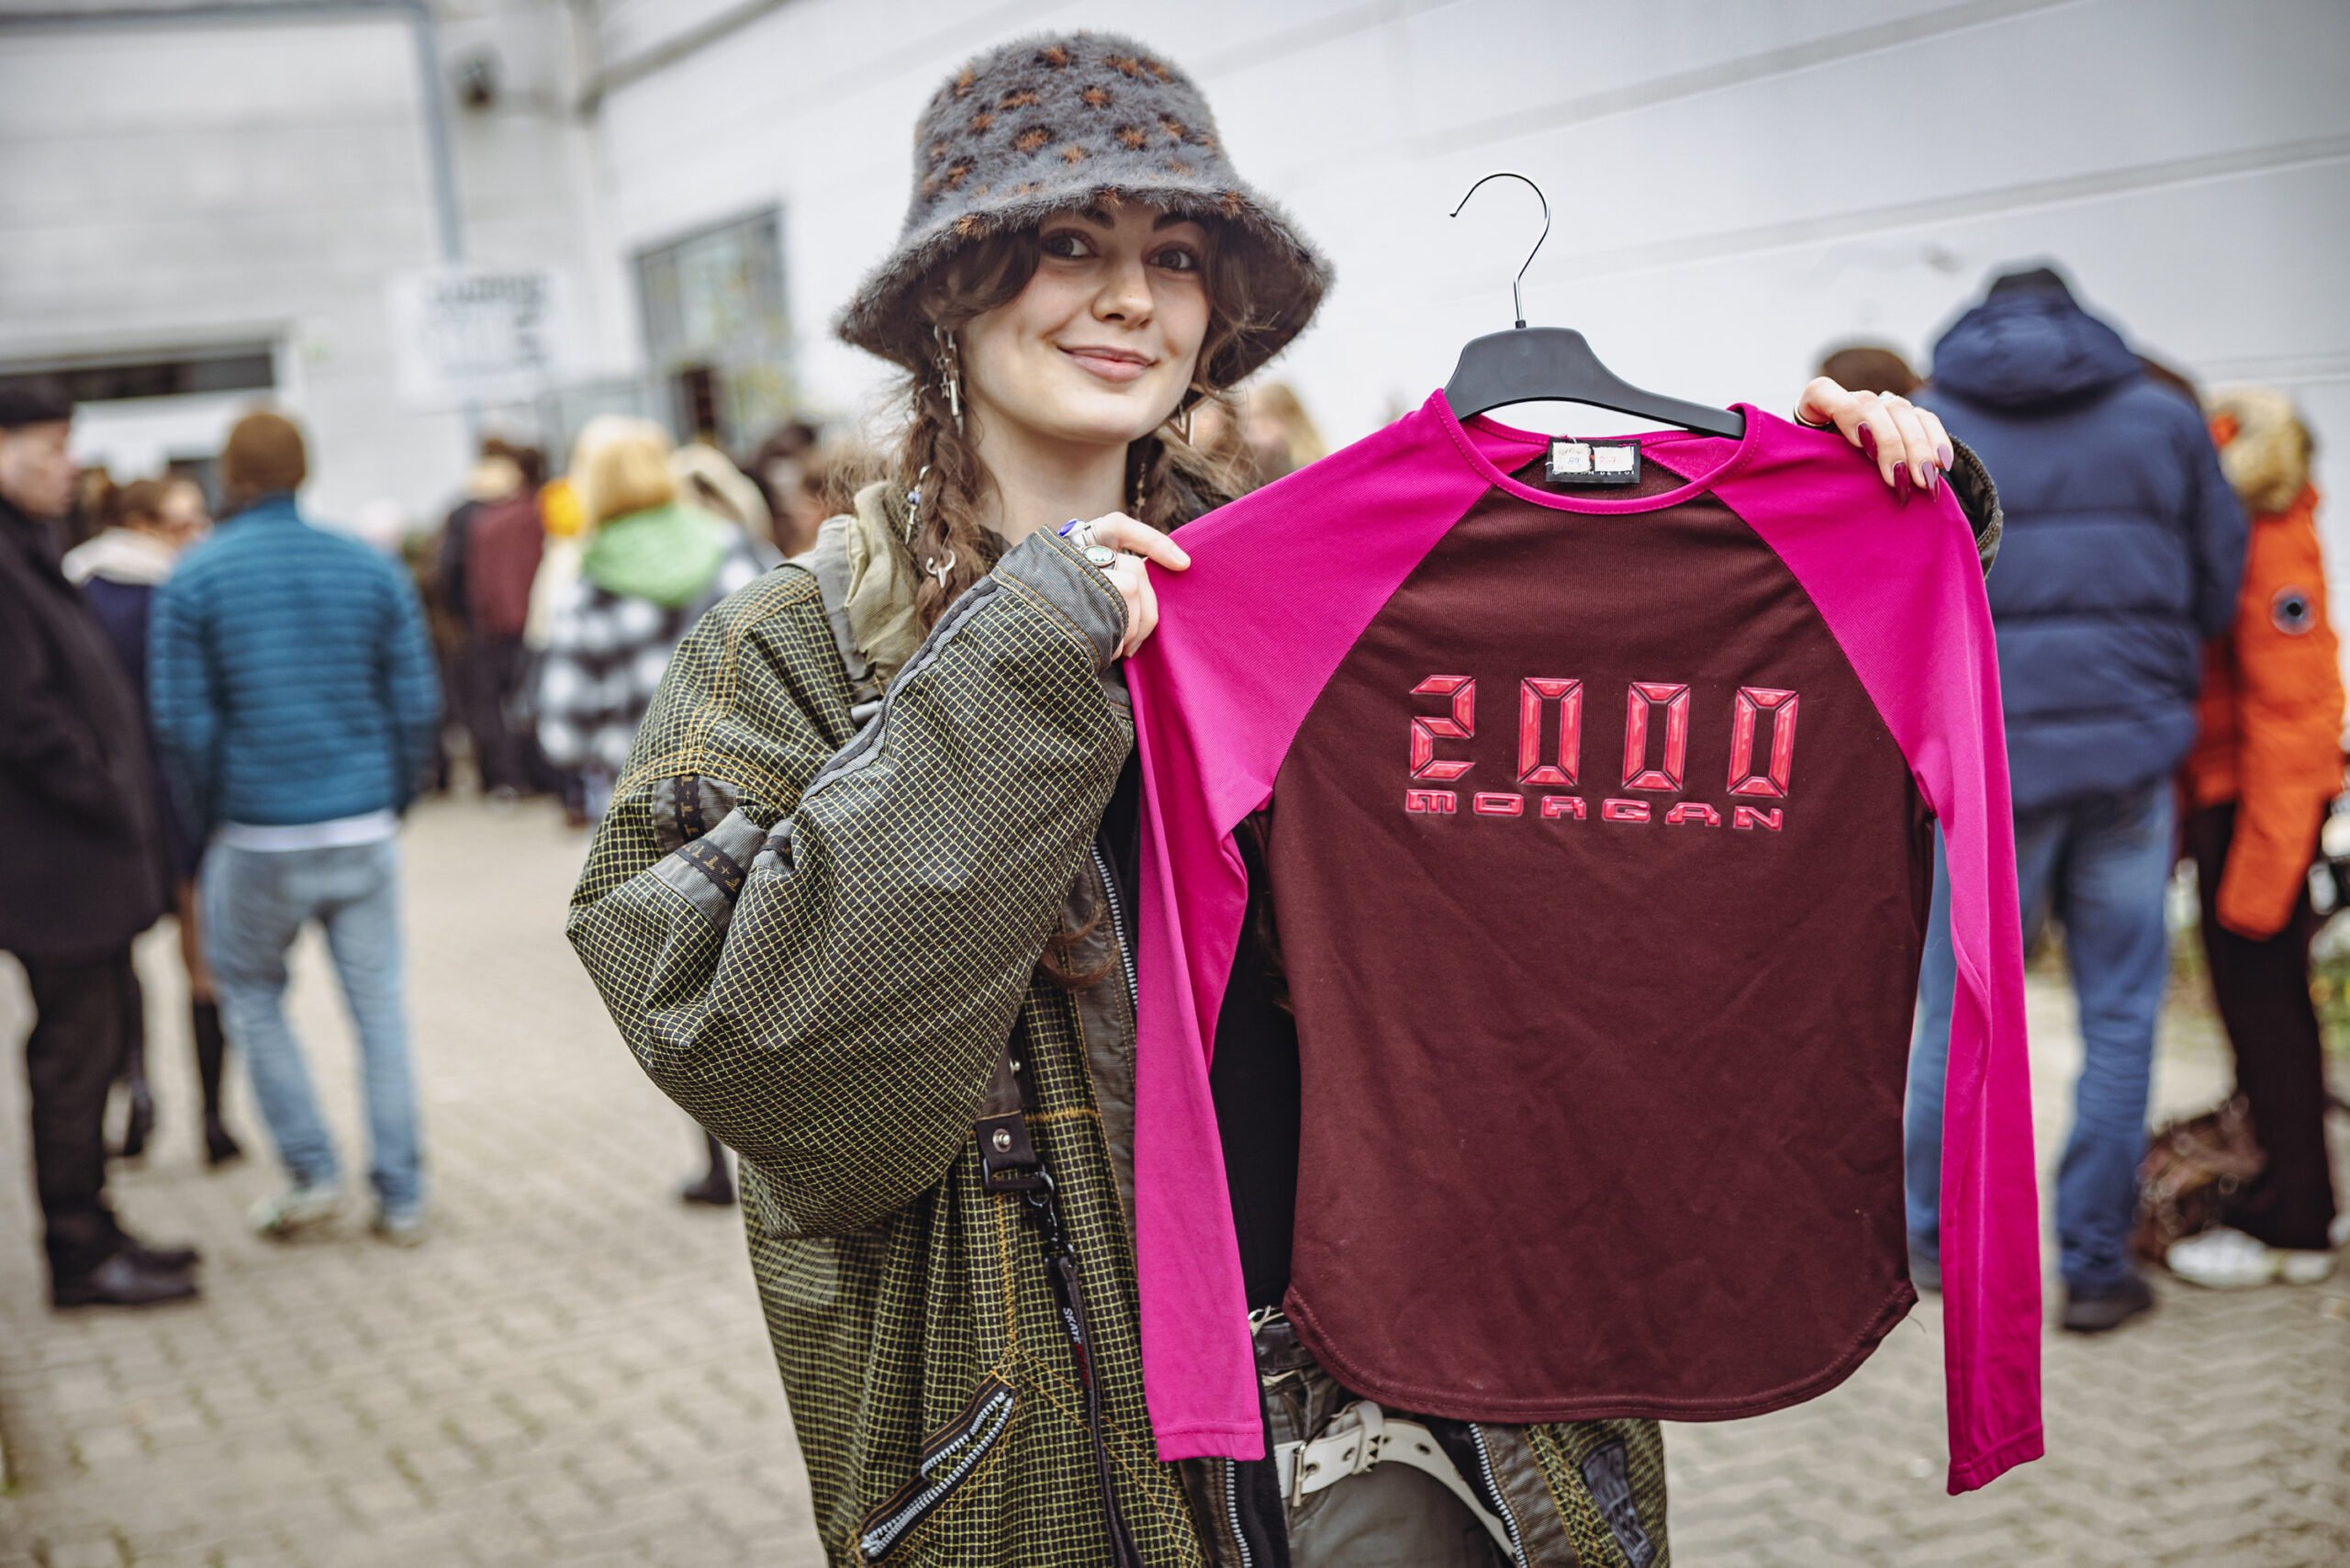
<point>1530,365</point>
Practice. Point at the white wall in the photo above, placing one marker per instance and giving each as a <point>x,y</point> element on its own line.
<point>1734,186</point>
<point>169,185</point>
<point>529,177</point>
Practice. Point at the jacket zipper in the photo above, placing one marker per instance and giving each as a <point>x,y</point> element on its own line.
<point>1231,1511</point>
<point>1117,922</point>
<point>1493,1485</point>
<point>979,1435</point>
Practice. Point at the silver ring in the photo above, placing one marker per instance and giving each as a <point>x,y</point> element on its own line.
<point>1081,535</point>
<point>1101,555</point>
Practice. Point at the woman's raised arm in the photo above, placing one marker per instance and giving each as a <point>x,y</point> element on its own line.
<point>825,976</point>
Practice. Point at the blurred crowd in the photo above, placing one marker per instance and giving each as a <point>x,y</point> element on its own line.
<point>222,723</point>
<point>229,735</point>
<point>544,681</point>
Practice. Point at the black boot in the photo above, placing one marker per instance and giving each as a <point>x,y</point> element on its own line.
<point>126,1279</point>
<point>211,1054</point>
<point>2110,1308</point>
<point>170,1257</point>
<point>717,1186</point>
<point>141,1124</point>
<point>220,1149</point>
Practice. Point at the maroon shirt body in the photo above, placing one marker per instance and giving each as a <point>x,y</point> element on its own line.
<point>1603,886</point>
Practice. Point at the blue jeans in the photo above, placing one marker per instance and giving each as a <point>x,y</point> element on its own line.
<point>255,902</point>
<point>2100,866</point>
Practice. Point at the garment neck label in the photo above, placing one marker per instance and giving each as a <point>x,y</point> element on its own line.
<point>1594,462</point>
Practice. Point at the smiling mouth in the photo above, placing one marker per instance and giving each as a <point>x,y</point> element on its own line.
<point>1110,364</point>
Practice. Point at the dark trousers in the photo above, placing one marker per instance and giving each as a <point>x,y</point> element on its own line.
<point>486,668</point>
<point>2263,994</point>
<point>86,1010</point>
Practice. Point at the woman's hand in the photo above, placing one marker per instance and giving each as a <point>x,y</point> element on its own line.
<point>1903,438</point>
<point>1133,543</point>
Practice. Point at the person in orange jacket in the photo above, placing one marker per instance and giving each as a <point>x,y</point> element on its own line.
<point>2265,768</point>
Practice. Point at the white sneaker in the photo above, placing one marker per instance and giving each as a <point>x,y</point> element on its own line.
<point>2304,1268</point>
<point>2223,1259</point>
<point>294,1211</point>
<point>404,1227</point>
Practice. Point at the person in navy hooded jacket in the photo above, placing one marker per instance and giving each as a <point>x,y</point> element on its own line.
<point>2123,551</point>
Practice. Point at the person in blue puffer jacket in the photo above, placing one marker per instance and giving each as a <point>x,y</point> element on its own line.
<point>295,699</point>
<point>2123,551</point>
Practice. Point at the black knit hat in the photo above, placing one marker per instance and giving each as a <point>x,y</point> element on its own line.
<point>33,400</point>
<point>1046,124</point>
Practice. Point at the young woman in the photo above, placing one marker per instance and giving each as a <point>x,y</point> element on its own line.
<point>860,902</point>
<point>149,523</point>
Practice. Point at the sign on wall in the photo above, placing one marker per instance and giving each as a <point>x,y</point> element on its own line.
<point>477,334</point>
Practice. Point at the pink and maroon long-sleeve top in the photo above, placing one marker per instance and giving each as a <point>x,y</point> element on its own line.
<point>1600,848</point>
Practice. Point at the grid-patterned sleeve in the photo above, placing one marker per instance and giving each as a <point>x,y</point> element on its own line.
<point>824,977</point>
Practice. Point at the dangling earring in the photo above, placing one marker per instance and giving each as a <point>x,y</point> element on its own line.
<point>936,572</point>
<point>950,373</point>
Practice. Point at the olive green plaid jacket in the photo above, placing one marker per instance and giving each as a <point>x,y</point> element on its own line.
<point>816,917</point>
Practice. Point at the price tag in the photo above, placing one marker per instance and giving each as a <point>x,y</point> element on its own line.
<point>1594,462</point>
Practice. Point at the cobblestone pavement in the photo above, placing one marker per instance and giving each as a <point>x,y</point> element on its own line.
<point>572,1370</point>
<point>2214,1432</point>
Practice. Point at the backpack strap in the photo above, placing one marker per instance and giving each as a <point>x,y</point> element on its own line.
<point>1008,1157</point>
<point>827,562</point>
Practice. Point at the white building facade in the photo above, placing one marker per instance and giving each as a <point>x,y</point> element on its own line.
<point>205,206</point>
<point>1733,189</point>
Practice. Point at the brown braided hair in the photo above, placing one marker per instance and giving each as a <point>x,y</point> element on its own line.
<point>1168,481</point>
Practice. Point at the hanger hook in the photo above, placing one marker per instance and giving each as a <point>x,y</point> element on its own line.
<point>1515,303</point>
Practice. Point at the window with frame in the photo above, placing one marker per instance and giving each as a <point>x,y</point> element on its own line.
<point>717,338</point>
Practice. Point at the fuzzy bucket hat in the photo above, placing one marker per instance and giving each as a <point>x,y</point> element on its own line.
<point>1044,123</point>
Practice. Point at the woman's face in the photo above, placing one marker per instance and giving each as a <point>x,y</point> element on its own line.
<point>1098,349</point>
<point>184,518</point>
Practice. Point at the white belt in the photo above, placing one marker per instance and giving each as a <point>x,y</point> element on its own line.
<point>1361,1437</point>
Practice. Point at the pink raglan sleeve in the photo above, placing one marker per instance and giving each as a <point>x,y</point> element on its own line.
<point>1280,585</point>
<point>1901,588</point>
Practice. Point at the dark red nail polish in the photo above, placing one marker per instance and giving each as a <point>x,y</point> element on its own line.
<point>1868,441</point>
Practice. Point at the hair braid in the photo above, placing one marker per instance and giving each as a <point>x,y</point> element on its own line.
<point>951,549</point>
